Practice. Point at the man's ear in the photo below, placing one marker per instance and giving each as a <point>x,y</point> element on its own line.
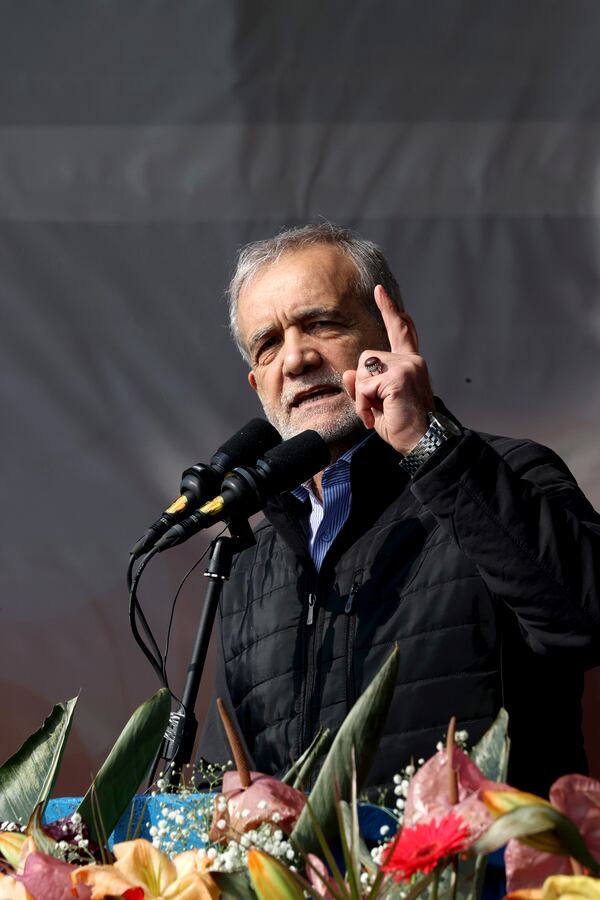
<point>252,380</point>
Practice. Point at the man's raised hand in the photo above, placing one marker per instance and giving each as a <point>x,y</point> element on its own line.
<point>395,399</point>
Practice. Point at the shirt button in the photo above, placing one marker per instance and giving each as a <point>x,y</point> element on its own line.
<point>326,537</point>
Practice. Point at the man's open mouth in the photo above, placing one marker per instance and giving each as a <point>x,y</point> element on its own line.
<point>314,394</point>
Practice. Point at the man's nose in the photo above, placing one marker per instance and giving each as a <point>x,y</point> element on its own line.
<point>300,354</point>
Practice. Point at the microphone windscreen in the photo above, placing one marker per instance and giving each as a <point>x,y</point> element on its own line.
<point>246,445</point>
<point>296,460</point>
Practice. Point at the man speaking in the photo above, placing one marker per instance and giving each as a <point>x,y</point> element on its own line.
<point>477,554</point>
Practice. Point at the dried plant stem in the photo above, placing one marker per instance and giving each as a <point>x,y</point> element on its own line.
<point>239,757</point>
<point>452,780</point>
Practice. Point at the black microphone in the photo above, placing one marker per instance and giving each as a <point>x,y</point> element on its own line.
<point>201,482</point>
<point>246,490</point>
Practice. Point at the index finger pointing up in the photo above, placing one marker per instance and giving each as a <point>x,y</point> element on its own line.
<point>399,326</point>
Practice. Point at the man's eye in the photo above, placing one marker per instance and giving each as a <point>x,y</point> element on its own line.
<point>266,345</point>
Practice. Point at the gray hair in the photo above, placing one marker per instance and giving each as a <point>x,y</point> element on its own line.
<point>371,266</point>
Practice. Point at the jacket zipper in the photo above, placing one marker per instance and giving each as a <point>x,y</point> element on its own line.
<point>350,601</point>
<point>304,735</point>
<point>348,609</point>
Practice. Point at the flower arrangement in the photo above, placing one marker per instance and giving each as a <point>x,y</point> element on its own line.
<point>259,837</point>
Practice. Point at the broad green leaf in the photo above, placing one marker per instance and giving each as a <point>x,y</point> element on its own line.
<point>542,827</point>
<point>361,729</point>
<point>127,764</point>
<point>27,778</point>
<point>233,885</point>
<point>490,755</point>
<point>299,773</point>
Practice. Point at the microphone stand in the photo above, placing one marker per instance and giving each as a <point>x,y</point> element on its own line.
<point>177,745</point>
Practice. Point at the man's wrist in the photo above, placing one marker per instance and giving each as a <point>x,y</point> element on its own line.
<point>441,429</point>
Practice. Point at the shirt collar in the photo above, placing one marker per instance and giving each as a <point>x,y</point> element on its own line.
<point>303,491</point>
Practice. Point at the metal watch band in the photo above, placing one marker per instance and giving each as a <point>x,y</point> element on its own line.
<point>432,440</point>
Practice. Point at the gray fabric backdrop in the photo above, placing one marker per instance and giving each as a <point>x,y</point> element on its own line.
<point>140,145</point>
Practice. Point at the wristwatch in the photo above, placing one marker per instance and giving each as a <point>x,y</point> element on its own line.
<point>441,429</point>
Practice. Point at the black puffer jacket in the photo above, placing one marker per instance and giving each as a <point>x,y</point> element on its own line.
<point>485,571</point>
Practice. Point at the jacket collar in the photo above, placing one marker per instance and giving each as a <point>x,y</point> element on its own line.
<point>376,480</point>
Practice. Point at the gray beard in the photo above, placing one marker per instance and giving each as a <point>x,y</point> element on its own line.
<point>340,427</point>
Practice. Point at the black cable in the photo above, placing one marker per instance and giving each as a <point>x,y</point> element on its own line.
<point>139,610</point>
<point>130,565</point>
<point>177,593</point>
<point>155,657</point>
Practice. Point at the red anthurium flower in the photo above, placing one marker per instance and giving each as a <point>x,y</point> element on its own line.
<point>136,893</point>
<point>421,848</point>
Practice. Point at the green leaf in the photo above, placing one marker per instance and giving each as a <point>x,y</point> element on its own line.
<point>363,854</point>
<point>542,827</point>
<point>362,729</point>
<point>27,778</point>
<point>299,773</point>
<point>490,755</point>
<point>350,861</point>
<point>127,764</point>
<point>325,852</point>
<point>234,885</point>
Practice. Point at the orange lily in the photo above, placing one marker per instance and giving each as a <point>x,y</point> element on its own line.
<point>141,865</point>
<point>561,887</point>
<point>500,802</point>
<point>271,879</point>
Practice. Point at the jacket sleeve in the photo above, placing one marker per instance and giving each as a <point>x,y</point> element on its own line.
<point>518,514</point>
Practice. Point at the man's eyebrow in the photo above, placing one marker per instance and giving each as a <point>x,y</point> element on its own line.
<point>258,336</point>
<point>307,312</point>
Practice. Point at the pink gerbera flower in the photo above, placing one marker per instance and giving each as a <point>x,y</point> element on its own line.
<point>419,849</point>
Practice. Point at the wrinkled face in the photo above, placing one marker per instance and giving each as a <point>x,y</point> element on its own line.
<point>303,327</point>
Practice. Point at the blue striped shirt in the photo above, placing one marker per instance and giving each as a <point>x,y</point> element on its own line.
<point>327,517</point>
